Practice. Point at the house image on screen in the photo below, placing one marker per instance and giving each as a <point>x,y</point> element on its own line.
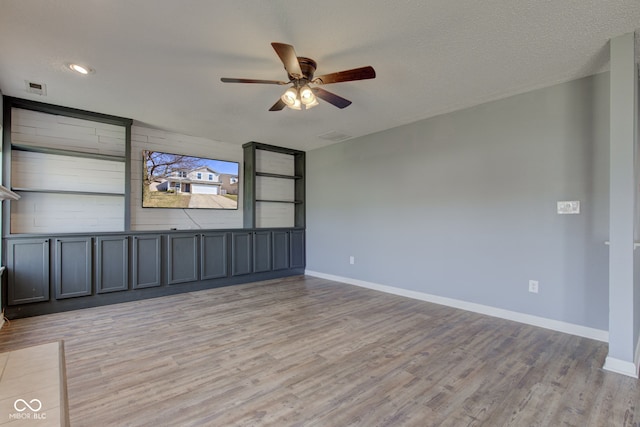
<point>203,180</point>
<point>229,183</point>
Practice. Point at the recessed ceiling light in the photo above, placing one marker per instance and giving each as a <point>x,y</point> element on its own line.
<point>81,69</point>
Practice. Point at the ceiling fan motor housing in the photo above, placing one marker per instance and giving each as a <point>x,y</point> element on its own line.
<point>308,67</point>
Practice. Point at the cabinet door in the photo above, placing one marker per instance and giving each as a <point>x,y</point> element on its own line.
<point>112,264</point>
<point>261,251</point>
<point>182,252</point>
<point>73,267</point>
<point>241,253</point>
<point>297,249</point>
<point>280,250</point>
<point>146,261</point>
<point>28,268</point>
<point>213,255</point>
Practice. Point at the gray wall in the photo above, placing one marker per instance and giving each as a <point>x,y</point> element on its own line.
<point>463,205</point>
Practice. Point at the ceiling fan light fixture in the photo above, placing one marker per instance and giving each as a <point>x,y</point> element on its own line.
<point>290,97</point>
<point>306,95</point>
<point>296,105</point>
<point>312,103</point>
<point>300,72</point>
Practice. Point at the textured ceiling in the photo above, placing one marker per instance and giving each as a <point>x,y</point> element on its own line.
<point>160,62</point>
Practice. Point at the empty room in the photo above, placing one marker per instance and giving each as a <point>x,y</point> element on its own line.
<point>292,213</point>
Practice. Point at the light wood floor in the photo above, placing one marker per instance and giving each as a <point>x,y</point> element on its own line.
<point>310,352</point>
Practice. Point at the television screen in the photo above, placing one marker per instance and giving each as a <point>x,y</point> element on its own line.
<point>188,182</point>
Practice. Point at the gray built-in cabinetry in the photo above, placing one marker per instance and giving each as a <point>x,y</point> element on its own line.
<point>72,267</point>
<point>112,264</point>
<point>68,243</point>
<point>71,169</point>
<point>66,272</point>
<point>27,262</point>
<point>273,186</point>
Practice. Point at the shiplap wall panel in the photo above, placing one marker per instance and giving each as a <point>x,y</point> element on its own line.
<point>53,172</point>
<point>35,128</point>
<point>272,162</point>
<point>143,138</point>
<point>66,213</point>
<point>44,213</point>
<point>275,214</point>
<point>268,188</point>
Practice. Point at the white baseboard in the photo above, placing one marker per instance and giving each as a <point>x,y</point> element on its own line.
<point>555,325</point>
<point>620,367</point>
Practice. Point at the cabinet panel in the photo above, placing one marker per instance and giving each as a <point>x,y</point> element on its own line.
<point>182,265</point>
<point>213,255</point>
<point>280,250</point>
<point>297,259</point>
<point>261,251</point>
<point>112,264</point>
<point>73,267</point>
<point>146,261</point>
<point>241,253</point>
<point>28,268</point>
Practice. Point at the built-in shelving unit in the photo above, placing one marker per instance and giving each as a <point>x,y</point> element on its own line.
<point>72,165</point>
<point>273,186</point>
<point>68,243</point>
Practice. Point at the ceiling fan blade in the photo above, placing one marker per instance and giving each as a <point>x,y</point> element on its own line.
<point>361,73</point>
<point>278,105</point>
<point>267,82</point>
<point>289,58</point>
<point>331,98</point>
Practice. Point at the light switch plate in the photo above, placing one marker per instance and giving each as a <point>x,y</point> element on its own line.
<point>569,207</point>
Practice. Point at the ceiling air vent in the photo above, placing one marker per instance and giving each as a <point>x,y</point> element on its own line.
<point>37,88</point>
<point>334,136</point>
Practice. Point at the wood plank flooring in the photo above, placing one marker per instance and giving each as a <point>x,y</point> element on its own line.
<point>305,351</point>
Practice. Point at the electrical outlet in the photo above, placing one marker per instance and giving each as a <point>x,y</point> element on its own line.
<point>533,286</point>
<point>352,260</point>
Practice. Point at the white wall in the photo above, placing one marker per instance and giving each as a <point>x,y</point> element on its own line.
<point>463,205</point>
<point>267,188</point>
<point>143,138</point>
<point>38,174</point>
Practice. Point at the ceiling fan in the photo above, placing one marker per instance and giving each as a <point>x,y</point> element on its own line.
<point>300,72</point>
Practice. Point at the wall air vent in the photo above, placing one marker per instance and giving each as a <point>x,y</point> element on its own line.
<point>334,136</point>
<point>37,88</point>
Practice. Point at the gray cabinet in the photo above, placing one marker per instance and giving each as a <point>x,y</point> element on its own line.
<point>297,258</point>
<point>241,253</point>
<point>182,258</point>
<point>63,272</point>
<point>261,251</point>
<point>112,264</point>
<point>28,268</point>
<point>73,267</point>
<point>280,250</point>
<point>146,259</point>
<point>213,255</point>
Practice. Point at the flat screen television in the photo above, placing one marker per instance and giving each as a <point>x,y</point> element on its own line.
<point>188,182</point>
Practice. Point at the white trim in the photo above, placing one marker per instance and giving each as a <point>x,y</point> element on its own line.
<point>542,322</point>
<point>636,360</point>
<point>620,367</point>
